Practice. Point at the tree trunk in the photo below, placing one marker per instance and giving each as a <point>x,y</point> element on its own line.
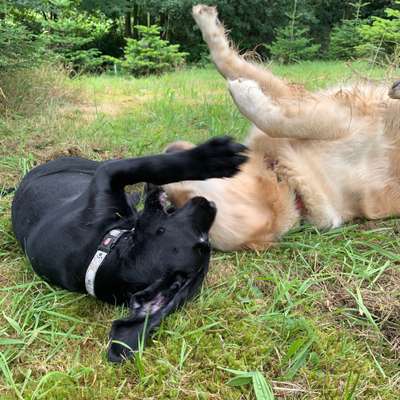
<point>128,24</point>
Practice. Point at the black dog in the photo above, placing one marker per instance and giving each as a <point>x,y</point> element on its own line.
<point>73,219</point>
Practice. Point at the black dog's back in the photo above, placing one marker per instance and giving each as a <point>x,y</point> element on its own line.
<point>48,186</point>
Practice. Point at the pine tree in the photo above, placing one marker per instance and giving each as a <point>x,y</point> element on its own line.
<point>292,42</point>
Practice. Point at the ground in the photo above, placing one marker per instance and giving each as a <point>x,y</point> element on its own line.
<point>316,316</point>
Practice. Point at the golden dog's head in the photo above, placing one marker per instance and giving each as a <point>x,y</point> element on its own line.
<point>253,208</point>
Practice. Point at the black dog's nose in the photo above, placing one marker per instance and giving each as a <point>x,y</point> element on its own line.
<point>203,244</point>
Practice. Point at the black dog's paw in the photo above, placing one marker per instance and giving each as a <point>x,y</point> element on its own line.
<point>218,158</point>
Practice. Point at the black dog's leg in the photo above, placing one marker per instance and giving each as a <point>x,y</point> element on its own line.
<point>217,158</point>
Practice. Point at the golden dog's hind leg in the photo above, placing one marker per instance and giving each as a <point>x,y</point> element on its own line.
<point>320,120</point>
<point>227,60</point>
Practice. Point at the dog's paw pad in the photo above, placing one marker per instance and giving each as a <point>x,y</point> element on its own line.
<point>206,18</point>
<point>203,10</point>
<point>245,86</point>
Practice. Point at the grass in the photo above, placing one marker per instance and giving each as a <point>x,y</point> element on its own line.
<point>317,317</point>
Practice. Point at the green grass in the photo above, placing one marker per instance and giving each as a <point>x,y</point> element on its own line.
<point>317,317</point>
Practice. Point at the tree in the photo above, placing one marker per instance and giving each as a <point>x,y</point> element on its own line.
<point>382,37</point>
<point>19,48</point>
<point>149,54</point>
<point>292,42</point>
<point>345,37</point>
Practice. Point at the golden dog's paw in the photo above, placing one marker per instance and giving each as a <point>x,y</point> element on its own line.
<point>394,91</point>
<point>247,95</point>
<point>206,18</point>
<point>203,11</point>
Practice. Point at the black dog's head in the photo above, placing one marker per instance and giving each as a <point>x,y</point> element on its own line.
<point>165,264</point>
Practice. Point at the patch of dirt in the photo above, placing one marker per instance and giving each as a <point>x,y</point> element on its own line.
<point>3,280</point>
<point>72,151</point>
<point>54,152</point>
<point>382,300</point>
<point>219,272</point>
<point>111,107</point>
<point>363,225</point>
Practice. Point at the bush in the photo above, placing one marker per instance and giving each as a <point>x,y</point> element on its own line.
<point>382,37</point>
<point>18,47</point>
<point>150,54</point>
<point>72,40</point>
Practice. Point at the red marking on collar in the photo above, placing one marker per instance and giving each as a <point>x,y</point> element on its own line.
<point>107,241</point>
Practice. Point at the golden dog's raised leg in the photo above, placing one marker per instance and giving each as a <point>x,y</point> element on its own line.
<point>313,120</point>
<point>227,60</point>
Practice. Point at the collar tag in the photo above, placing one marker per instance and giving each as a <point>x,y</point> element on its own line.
<point>104,248</point>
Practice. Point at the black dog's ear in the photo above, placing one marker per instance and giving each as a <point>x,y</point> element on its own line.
<point>153,199</point>
<point>149,307</point>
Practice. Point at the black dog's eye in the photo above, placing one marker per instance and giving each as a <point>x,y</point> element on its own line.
<point>160,231</point>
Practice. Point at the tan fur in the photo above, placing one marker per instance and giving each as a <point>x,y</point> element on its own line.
<point>338,149</point>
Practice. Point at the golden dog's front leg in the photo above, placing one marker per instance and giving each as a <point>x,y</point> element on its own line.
<point>227,60</point>
<point>320,119</point>
<point>256,106</point>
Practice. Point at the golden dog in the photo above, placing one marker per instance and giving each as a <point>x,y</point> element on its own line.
<point>326,157</point>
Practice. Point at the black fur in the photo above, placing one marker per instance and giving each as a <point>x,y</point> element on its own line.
<point>62,210</point>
